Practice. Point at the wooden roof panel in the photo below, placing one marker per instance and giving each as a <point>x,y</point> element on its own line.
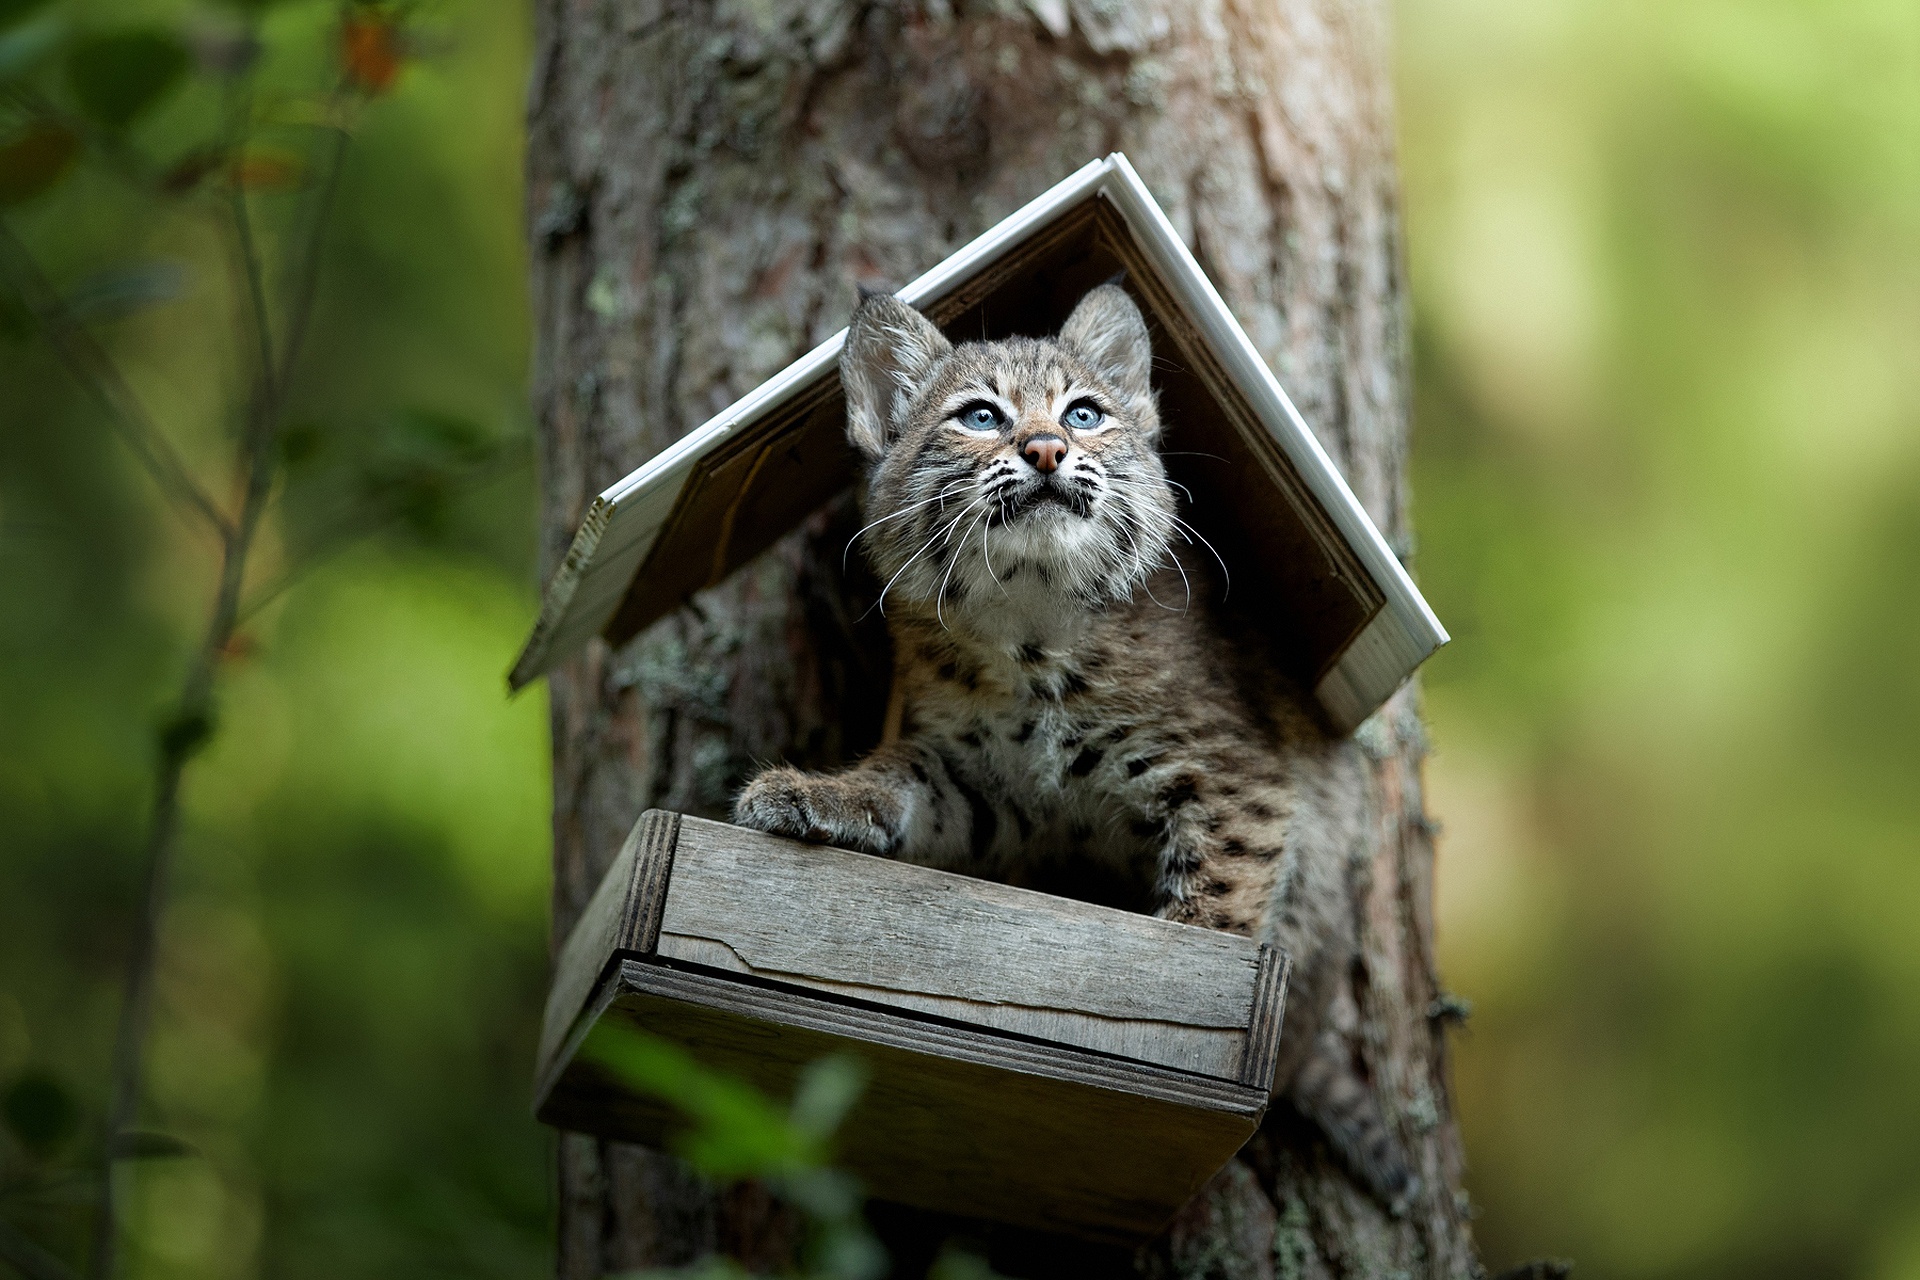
<point>1301,555</point>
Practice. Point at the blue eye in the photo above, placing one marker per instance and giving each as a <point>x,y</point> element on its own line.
<point>1083,417</point>
<point>979,417</point>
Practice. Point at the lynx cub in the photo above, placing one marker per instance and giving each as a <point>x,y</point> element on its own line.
<point>1063,688</point>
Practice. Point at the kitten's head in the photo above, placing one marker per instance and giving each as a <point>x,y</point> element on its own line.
<point>991,463</point>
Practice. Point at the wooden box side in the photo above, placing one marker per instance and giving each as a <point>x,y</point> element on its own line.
<point>953,1118</point>
<point>970,950</point>
<point>623,916</point>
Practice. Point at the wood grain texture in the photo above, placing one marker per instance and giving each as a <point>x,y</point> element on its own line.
<point>1263,1023</point>
<point>952,1119</point>
<point>705,184</point>
<point>1212,1051</point>
<point>622,916</point>
<point>894,927</point>
<point>930,942</point>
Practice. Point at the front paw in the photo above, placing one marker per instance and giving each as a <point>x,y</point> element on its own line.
<point>801,806</point>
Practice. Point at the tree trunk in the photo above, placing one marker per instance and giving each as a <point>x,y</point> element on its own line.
<point>706,183</point>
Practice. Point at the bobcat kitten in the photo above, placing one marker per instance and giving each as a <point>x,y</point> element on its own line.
<point>1061,685</point>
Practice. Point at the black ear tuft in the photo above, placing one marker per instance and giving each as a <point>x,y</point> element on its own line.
<point>1117,279</point>
<point>868,292</point>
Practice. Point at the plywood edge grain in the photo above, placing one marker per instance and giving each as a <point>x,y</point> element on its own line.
<point>1269,1008</point>
<point>555,607</point>
<point>622,915</point>
<point>659,836</point>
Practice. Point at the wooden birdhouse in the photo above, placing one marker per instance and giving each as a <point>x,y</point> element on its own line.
<point>1034,1060</point>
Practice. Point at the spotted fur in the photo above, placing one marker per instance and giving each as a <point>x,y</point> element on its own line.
<point>1064,691</point>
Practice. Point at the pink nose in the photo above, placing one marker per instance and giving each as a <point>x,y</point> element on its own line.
<point>1045,452</point>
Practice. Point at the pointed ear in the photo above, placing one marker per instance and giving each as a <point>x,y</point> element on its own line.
<point>891,351</point>
<point>1108,332</point>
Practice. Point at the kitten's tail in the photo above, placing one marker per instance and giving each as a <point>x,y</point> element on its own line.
<point>1328,1090</point>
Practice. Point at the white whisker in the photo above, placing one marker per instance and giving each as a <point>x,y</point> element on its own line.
<point>1180,568</point>
<point>938,497</point>
<point>940,596</point>
<point>881,603</point>
<point>1225,572</point>
<point>986,524</point>
<point>1146,573</point>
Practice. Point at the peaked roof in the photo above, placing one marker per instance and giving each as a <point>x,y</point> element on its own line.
<point>1322,580</point>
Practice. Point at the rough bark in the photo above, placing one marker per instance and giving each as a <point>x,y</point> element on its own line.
<point>706,183</point>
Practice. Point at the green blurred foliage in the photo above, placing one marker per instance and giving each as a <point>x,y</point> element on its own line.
<point>1666,272</point>
<point>736,1131</point>
<point>730,1131</point>
<point>117,75</point>
<point>353,954</point>
<point>733,1131</point>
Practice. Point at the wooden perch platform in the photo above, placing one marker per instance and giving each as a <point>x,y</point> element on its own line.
<point>1031,1059</point>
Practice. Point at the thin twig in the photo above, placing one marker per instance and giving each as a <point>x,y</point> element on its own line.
<point>309,272</point>
<point>191,724</point>
<point>101,378</point>
<point>256,284</point>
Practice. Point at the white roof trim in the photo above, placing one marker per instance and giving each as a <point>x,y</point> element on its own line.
<point>623,522</point>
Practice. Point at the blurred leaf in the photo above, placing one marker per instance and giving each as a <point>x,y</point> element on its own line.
<point>122,290</point>
<point>12,11</point>
<point>190,170</point>
<point>34,159</point>
<point>240,646</point>
<point>224,51</point>
<point>428,433</point>
<point>846,1250</point>
<point>39,1112</point>
<point>736,1131</point>
<point>268,170</point>
<point>958,1264</point>
<point>827,1089</point>
<point>144,1145</point>
<point>824,1193</point>
<point>185,733</point>
<point>301,442</point>
<point>712,1267</point>
<point>117,76</point>
<point>370,50</point>
<point>330,112</point>
<point>21,50</point>
<point>415,463</point>
<point>17,323</point>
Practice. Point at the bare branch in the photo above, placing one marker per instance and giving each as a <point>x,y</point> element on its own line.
<point>191,725</point>
<point>100,377</point>
<point>249,261</point>
<point>308,277</point>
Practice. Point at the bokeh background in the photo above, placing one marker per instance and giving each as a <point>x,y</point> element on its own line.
<point>1666,276</point>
